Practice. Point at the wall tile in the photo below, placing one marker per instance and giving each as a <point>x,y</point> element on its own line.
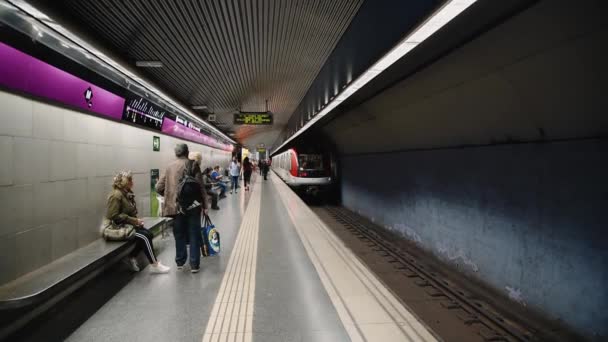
<point>15,115</point>
<point>49,202</point>
<point>106,161</point>
<point>6,160</point>
<point>63,160</point>
<point>98,130</point>
<point>64,235</point>
<point>32,160</point>
<point>75,126</point>
<point>89,229</point>
<point>17,209</point>
<point>33,249</point>
<point>86,160</point>
<point>98,189</point>
<point>141,183</point>
<point>48,121</point>
<point>8,258</point>
<point>76,197</point>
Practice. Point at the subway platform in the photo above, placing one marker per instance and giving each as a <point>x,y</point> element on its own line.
<point>282,275</point>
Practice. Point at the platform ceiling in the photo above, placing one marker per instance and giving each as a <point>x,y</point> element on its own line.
<point>227,55</point>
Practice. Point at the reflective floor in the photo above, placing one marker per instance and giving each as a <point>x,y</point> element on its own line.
<point>281,276</point>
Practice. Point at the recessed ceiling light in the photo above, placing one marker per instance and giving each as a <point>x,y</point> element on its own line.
<point>199,107</point>
<point>149,64</point>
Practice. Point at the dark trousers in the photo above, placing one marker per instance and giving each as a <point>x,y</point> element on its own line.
<point>143,242</point>
<point>187,229</point>
<point>214,198</point>
<point>247,177</point>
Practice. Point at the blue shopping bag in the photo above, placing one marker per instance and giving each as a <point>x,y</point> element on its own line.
<point>211,238</point>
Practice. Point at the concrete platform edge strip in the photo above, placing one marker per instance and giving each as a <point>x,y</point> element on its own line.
<point>232,314</point>
<point>368,310</point>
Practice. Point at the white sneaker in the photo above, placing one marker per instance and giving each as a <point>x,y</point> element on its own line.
<point>133,264</point>
<point>159,268</point>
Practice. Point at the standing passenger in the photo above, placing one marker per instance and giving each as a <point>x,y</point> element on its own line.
<point>234,174</point>
<point>247,170</point>
<point>187,221</point>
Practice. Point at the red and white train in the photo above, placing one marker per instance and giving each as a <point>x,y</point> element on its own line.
<point>309,171</point>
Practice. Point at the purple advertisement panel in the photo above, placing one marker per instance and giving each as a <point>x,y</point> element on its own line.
<point>22,72</point>
<point>171,127</point>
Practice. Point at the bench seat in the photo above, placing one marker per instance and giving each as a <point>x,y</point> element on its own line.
<point>56,280</point>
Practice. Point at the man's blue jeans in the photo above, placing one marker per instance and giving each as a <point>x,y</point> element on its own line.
<point>222,186</point>
<point>187,227</point>
<point>235,182</point>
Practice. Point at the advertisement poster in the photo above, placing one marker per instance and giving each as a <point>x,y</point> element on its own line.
<point>154,203</point>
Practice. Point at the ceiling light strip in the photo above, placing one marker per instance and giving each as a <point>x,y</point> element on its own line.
<point>30,10</point>
<point>436,21</point>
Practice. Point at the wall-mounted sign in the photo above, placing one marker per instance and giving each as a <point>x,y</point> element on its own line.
<point>253,119</point>
<point>156,143</point>
<point>187,123</point>
<point>143,113</point>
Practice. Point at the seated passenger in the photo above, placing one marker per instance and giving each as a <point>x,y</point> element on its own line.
<point>121,211</point>
<point>209,188</point>
<point>217,179</point>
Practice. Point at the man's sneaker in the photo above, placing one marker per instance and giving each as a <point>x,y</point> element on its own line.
<point>159,268</point>
<point>215,208</point>
<point>195,270</point>
<point>231,192</point>
<point>133,264</point>
<point>180,267</point>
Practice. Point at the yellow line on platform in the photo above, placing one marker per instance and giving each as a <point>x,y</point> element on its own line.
<point>231,318</point>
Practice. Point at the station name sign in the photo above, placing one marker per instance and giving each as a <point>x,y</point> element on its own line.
<point>253,118</point>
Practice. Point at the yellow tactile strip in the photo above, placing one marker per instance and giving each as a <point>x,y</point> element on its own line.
<point>232,314</point>
<point>367,309</point>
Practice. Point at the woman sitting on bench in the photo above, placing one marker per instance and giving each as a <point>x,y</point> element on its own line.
<point>121,210</point>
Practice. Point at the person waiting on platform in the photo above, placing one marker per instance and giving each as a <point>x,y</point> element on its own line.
<point>247,170</point>
<point>217,179</point>
<point>264,169</point>
<point>235,171</point>
<point>209,188</point>
<point>122,211</point>
<point>187,221</point>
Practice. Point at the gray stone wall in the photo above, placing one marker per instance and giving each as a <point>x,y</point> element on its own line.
<point>56,167</point>
<point>527,219</point>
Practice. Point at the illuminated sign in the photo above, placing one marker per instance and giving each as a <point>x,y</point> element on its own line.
<point>253,119</point>
<point>141,112</point>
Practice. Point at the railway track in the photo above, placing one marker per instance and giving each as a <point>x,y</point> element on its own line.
<point>489,324</point>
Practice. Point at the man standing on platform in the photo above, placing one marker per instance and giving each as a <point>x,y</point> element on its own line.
<point>187,220</point>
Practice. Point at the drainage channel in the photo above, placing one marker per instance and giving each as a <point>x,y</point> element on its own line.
<point>490,325</point>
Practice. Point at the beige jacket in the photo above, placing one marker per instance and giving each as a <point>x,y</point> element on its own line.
<point>167,185</point>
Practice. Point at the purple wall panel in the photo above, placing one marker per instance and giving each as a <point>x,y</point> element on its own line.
<point>22,72</point>
<point>25,73</point>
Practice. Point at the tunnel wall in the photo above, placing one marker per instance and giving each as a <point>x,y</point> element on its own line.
<point>56,169</point>
<point>493,158</point>
<point>528,219</point>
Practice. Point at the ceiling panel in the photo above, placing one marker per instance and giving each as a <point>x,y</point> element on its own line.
<point>227,55</point>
